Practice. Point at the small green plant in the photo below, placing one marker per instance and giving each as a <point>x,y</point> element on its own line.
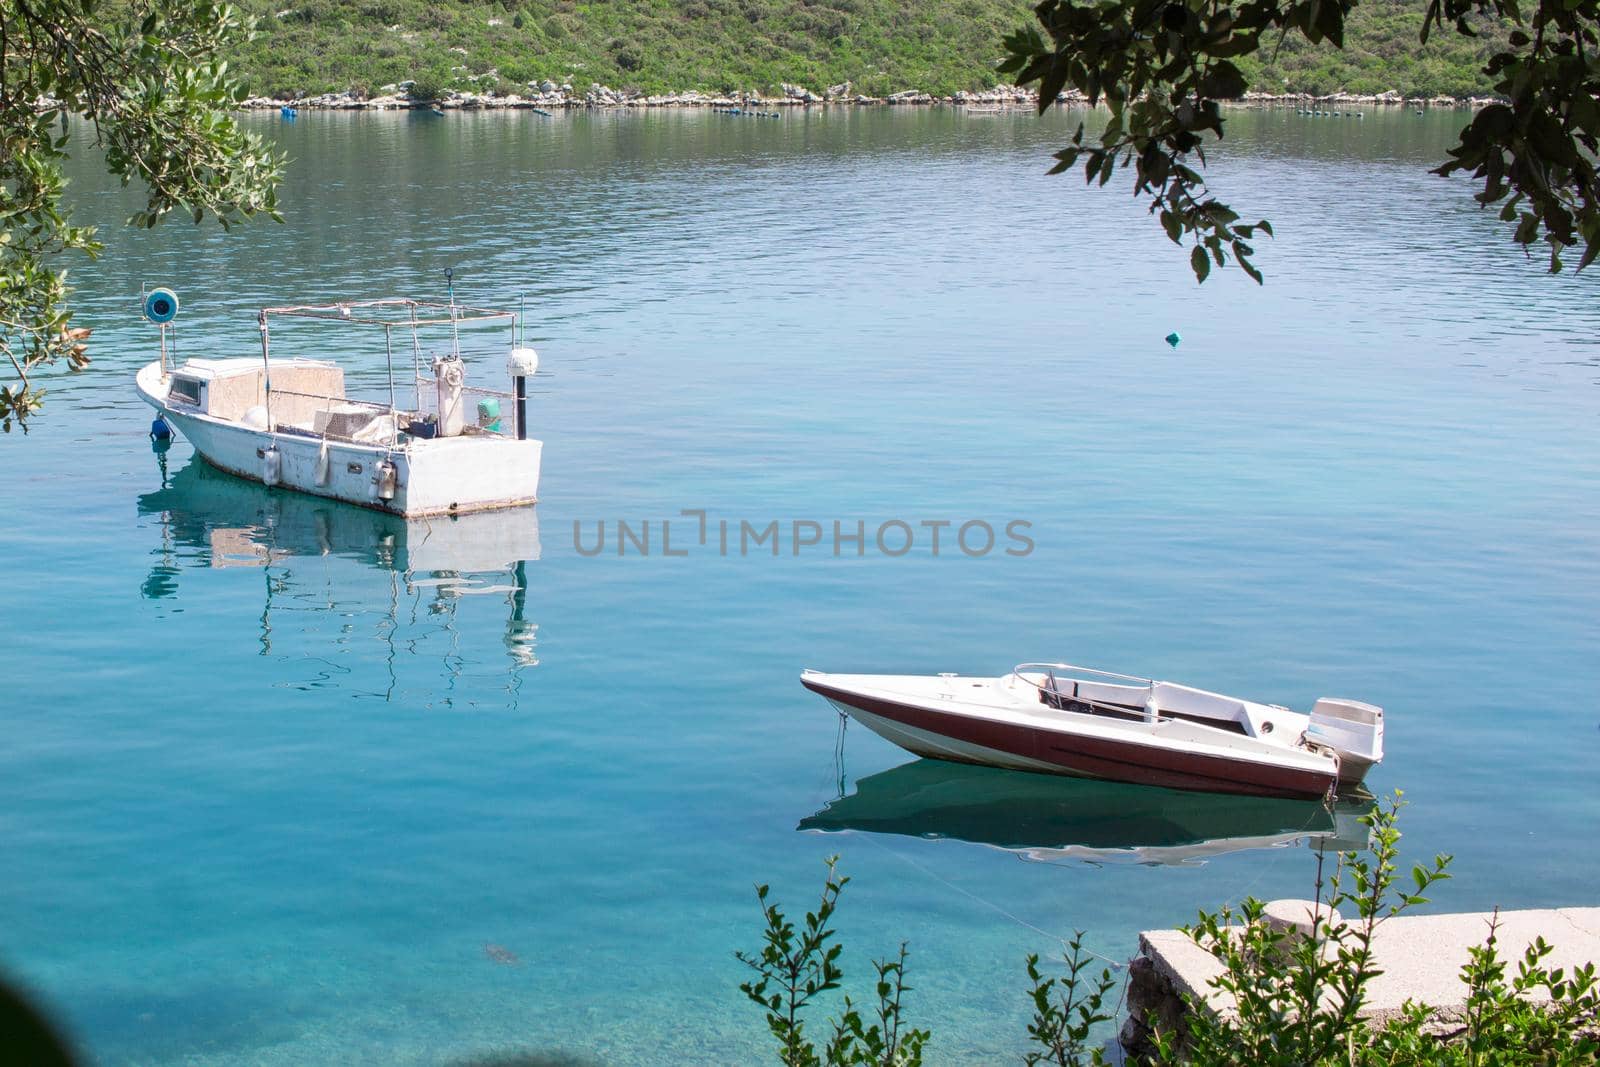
<point>1538,1016</point>
<point>1063,1021</point>
<point>887,1042</point>
<point>795,966</point>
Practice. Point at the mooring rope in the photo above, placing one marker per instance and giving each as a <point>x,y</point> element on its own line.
<point>970,895</point>
<point>1267,868</point>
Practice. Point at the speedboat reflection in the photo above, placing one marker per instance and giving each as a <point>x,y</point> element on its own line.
<point>209,519</point>
<point>1052,819</point>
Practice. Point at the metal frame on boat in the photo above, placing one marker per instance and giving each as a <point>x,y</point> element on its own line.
<point>290,422</point>
<point>1058,718</point>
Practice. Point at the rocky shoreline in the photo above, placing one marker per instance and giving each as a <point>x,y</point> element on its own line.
<point>548,95</point>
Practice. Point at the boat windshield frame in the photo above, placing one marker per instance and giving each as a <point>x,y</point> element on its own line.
<point>1049,694</point>
<point>1051,668</point>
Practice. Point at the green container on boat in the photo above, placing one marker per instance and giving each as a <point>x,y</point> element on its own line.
<point>489,414</point>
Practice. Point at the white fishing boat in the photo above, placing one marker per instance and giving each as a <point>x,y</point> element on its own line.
<point>433,445</point>
<point>1061,719</point>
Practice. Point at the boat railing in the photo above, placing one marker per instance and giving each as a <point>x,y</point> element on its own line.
<point>427,380</point>
<point>392,315</point>
<point>375,405</point>
<point>371,313</point>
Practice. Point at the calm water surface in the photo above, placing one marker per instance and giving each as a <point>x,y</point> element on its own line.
<point>280,786</point>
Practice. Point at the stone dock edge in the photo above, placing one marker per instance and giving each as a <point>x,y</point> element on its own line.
<point>1421,957</point>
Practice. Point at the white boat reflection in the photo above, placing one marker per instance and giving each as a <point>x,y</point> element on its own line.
<point>210,520</point>
<point>1052,819</point>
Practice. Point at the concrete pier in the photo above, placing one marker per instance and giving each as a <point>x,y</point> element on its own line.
<point>1421,957</point>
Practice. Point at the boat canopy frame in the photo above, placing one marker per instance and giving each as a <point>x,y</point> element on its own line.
<point>372,313</point>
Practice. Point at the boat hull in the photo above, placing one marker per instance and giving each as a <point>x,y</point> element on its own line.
<point>968,738</point>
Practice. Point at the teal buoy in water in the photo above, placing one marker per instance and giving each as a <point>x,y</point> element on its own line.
<point>1173,338</point>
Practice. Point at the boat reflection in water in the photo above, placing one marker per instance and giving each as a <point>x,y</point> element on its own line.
<point>428,567</point>
<point>1052,819</point>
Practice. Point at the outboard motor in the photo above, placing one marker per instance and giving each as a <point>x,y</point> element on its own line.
<point>451,376</point>
<point>1352,729</point>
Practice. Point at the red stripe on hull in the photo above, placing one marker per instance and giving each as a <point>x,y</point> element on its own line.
<point>1093,757</point>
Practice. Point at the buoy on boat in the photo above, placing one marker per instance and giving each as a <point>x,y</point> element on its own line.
<point>271,466</point>
<point>1173,338</point>
<point>383,481</point>
<point>159,430</point>
<point>324,464</point>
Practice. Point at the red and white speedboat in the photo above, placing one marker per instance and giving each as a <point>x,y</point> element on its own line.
<point>1060,719</point>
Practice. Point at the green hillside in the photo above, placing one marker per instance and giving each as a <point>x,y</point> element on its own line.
<point>880,46</point>
<point>1382,52</point>
<point>655,45</point>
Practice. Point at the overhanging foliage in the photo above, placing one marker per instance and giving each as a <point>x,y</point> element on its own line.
<point>148,78</point>
<point>1163,68</point>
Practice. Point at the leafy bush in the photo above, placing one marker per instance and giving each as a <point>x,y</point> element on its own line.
<point>1298,999</point>
<point>793,968</point>
<point>428,86</point>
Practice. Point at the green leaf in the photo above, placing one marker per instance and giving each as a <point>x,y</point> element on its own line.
<point>1223,82</point>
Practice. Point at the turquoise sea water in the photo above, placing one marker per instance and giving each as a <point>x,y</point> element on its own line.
<point>277,790</point>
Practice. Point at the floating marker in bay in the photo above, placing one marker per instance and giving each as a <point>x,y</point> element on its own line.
<point>1173,338</point>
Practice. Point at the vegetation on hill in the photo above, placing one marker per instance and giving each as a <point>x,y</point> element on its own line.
<point>1381,52</point>
<point>879,46</point>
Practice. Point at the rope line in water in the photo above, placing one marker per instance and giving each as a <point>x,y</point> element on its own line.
<point>1305,831</point>
<point>1025,924</point>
